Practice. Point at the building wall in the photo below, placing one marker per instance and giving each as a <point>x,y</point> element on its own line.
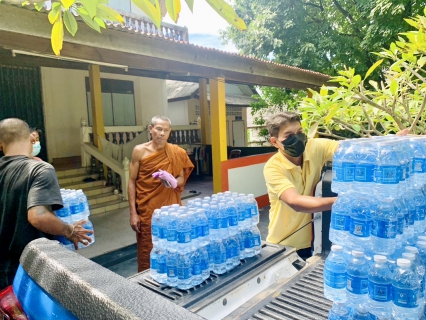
<point>64,99</point>
<point>178,112</point>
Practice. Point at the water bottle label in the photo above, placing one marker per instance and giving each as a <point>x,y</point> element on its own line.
<point>386,175</point>
<point>223,223</point>
<point>153,264</point>
<point>199,231</point>
<point>379,291</point>
<point>233,221</point>
<point>193,233</point>
<point>348,172</point>
<point>219,258</point>
<point>400,224</point>
<point>184,273</point>
<point>171,235</point>
<point>340,221</point>
<point>364,173</point>
<point>401,173</point>
<point>205,231</point>
<point>81,207</point>
<point>204,264</point>
<point>74,209</point>
<point>256,240</point>
<point>360,228</point>
<point>247,213</point>
<point>411,215</point>
<point>162,232</point>
<point>183,237</point>
<point>384,229</point>
<point>242,244</point>
<point>61,213</point>
<point>214,223</point>
<point>196,269</point>
<point>249,243</point>
<point>171,271</point>
<point>235,252</point>
<point>336,280</point>
<point>419,165</point>
<point>154,231</point>
<point>162,267</point>
<point>406,298</point>
<point>356,285</point>
<point>420,213</point>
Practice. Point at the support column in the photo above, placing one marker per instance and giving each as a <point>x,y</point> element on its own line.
<point>204,112</point>
<point>98,127</point>
<point>218,116</point>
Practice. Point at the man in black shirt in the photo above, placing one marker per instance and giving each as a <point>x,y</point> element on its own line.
<point>29,193</point>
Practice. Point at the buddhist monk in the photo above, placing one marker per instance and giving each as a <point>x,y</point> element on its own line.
<point>147,193</point>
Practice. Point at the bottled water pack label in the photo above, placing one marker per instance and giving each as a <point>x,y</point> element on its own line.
<point>196,269</point>
<point>184,273</point>
<point>154,264</point>
<point>162,267</point>
<point>360,228</point>
<point>184,237</point>
<point>364,173</point>
<point>420,213</point>
<point>400,225</point>
<point>340,222</point>
<point>74,209</point>
<point>406,298</point>
<point>172,272</point>
<point>344,172</point>
<point>336,280</point>
<point>249,242</point>
<point>386,175</point>
<point>356,285</point>
<point>380,292</point>
<point>162,232</point>
<point>419,165</point>
<point>384,229</point>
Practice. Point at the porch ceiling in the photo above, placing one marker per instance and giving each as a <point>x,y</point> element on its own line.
<point>145,55</point>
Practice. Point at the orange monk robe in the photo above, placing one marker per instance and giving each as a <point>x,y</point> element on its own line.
<point>151,194</point>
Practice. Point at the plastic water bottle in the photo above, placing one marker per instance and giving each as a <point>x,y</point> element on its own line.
<point>88,226</point>
<point>340,220</point>
<point>419,162</point>
<point>219,256</point>
<point>383,228</point>
<point>229,258</point>
<point>183,234</point>
<point>214,222</point>
<point>247,209</point>
<point>343,169</point>
<point>171,262</point>
<point>335,275</point>
<point>387,171</point>
<point>365,155</point>
<point>419,267</point>
<point>235,250</point>
<point>172,231</point>
<point>194,229</point>
<point>184,267</point>
<point>339,311</point>
<point>196,268</point>
<point>248,243</point>
<point>360,224</point>
<point>203,226</point>
<point>84,202</point>
<point>405,304</point>
<point>75,208</point>
<point>254,209</point>
<point>380,288</point>
<point>223,220</point>
<point>257,243</point>
<point>361,313</point>
<point>241,241</point>
<point>205,268</point>
<point>154,263</point>
<point>419,218</point>
<point>357,279</point>
<point>231,210</point>
<point>155,222</point>
<point>162,265</point>
<point>162,228</point>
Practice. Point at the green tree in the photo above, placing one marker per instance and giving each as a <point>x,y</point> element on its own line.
<point>63,14</point>
<point>396,103</point>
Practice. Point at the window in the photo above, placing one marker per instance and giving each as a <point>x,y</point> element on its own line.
<point>118,102</point>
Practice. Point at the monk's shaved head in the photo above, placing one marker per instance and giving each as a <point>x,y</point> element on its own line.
<point>156,118</point>
<point>13,130</point>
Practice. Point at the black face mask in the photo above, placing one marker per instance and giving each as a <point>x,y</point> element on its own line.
<point>295,145</point>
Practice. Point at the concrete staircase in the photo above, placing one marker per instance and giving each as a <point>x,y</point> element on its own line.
<point>101,197</point>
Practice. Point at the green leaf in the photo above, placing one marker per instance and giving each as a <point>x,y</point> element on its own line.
<point>90,6</point>
<point>421,62</point>
<point>57,37</point>
<point>372,68</point>
<point>152,11</point>
<point>106,13</point>
<point>100,22</point>
<point>412,23</point>
<point>190,4</point>
<point>228,13</point>
<point>25,3</point>
<point>394,87</point>
<point>67,3</point>
<point>356,80</point>
<point>39,5</point>
<point>173,8</point>
<point>86,18</point>
<point>55,12</point>
<point>70,22</point>
<point>323,91</point>
<point>356,127</point>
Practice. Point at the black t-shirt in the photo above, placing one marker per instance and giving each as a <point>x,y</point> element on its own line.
<point>24,183</point>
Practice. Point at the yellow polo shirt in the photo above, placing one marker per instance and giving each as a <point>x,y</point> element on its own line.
<point>280,175</point>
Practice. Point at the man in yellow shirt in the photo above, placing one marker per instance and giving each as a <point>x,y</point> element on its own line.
<point>291,176</point>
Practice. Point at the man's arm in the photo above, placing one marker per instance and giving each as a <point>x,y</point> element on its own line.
<point>44,219</point>
<point>306,204</point>
<point>131,189</point>
<point>180,178</point>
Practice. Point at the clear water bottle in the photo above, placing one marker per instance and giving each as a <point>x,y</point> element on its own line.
<point>247,209</point>
<point>205,267</point>
<point>401,226</point>
<point>88,226</point>
<point>64,214</point>
<point>155,222</point>
<point>343,168</point>
<point>235,250</point>
<point>214,222</point>
<point>409,220</point>
<point>418,265</point>
<point>419,218</point>
<point>231,210</point>
<point>154,263</point>
<point>387,171</point>
<point>84,202</point>
<point>339,311</point>
<point>203,225</point>
<point>257,243</point>
<point>335,275</point>
<point>340,220</point>
<point>162,228</point>
<point>357,279</point>
<point>405,283</point>
<point>219,256</point>
<point>241,241</point>
<point>162,265</point>
<point>171,262</point>
<point>383,228</point>
<point>365,155</point>
<point>361,313</point>
<point>172,231</point>
<point>183,234</point>
<point>196,268</point>
<point>223,220</point>
<point>194,229</point>
<point>75,208</point>
<point>360,224</point>
<point>248,243</point>
<point>419,162</point>
<point>184,270</point>
<point>380,288</point>
<point>229,258</point>
<point>254,209</point>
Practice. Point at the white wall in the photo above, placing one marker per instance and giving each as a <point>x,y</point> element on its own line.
<point>248,179</point>
<point>64,98</point>
<point>178,112</point>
